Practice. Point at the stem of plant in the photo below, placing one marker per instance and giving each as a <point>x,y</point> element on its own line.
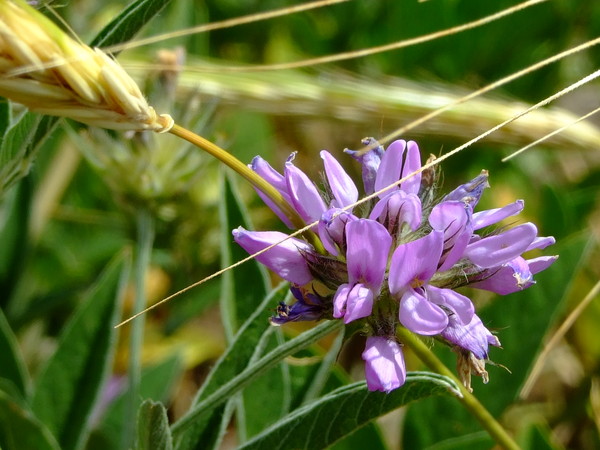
<point>231,161</point>
<point>145,241</point>
<point>470,402</point>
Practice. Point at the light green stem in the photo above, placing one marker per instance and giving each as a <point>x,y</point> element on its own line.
<point>231,161</point>
<point>470,402</point>
<point>253,371</point>
<point>145,241</point>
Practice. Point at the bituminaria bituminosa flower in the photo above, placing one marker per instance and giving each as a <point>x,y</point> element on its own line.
<point>399,260</point>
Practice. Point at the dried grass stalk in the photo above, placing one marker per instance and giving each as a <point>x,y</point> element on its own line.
<point>51,73</point>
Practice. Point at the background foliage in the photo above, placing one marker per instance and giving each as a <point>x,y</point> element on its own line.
<point>68,229</point>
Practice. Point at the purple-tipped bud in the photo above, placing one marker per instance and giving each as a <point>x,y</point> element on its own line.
<point>370,163</point>
<point>384,364</point>
<point>470,192</point>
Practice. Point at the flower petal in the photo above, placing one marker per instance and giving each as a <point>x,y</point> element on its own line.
<point>499,249</point>
<point>473,337</point>
<point>384,364</point>
<point>420,315</point>
<point>396,209</point>
<point>391,166</point>
<point>343,188</point>
<point>412,163</point>
<point>305,197</point>
<point>369,161</point>
<point>359,303</point>
<point>491,216</point>
<point>332,230</point>
<point>459,304</point>
<point>415,262</point>
<point>511,277</point>
<point>368,247</point>
<point>285,259</point>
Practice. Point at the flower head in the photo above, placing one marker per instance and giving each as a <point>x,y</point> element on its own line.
<point>397,260</point>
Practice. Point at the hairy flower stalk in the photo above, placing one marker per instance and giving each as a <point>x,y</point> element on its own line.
<point>398,261</point>
<point>44,69</point>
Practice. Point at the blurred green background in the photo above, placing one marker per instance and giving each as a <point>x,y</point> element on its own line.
<point>65,221</point>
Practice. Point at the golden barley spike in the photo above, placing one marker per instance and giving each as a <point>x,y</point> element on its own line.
<point>44,69</point>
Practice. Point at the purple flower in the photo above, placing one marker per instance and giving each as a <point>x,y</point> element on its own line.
<point>384,364</point>
<point>308,306</point>
<point>435,247</point>
<point>366,260</point>
<point>512,276</point>
<point>423,307</point>
<point>286,259</point>
<point>473,336</point>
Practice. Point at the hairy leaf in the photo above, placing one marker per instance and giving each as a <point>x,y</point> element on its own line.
<point>344,410</point>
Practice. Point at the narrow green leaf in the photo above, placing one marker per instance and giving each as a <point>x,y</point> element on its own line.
<point>244,287</point>
<point>15,210</point>
<point>20,429</point>
<point>71,381</point>
<point>20,144</point>
<point>245,377</point>
<point>344,410</point>
<point>127,24</point>
<point>4,117</point>
<point>231,363</point>
<point>12,366</point>
<point>153,432</point>
<point>274,385</point>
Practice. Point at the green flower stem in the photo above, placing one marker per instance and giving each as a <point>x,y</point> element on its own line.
<point>145,241</point>
<point>470,402</point>
<point>231,161</point>
<point>245,377</point>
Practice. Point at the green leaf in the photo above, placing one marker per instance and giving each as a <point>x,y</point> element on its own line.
<point>344,410</point>
<point>127,24</point>
<point>20,144</point>
<point>249,374</point>
<point>232,362</point>
<point>69,385</point>
<point>15,209</point>
<point>4,117</point>
<point>157,383</point>
<point>244,287</point>
<point>238,302</point>
<point>12,366</point>
<point>522,320</point>
<point>20,429</point>
<point>153,432</point>
<point>274,385</point>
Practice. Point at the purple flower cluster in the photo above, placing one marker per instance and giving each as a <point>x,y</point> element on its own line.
<point>398,261</point>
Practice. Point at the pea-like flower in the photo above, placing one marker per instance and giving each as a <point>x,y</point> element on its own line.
<point>398,259</point>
